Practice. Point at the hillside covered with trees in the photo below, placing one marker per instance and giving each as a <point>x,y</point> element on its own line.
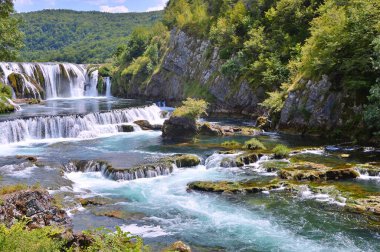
<point>277,46</point>
<point>78,37</point>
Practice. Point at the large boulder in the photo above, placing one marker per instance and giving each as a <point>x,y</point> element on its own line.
<point>38,205</point>
<point>146,125</point>
<point>179,127</point>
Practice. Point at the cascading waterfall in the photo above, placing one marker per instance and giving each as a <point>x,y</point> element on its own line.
<point>49,80</point>
<point>108,86</point>
<point>75,126</point>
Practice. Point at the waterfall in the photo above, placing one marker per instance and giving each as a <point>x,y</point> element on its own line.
<point>108,86</point>
<point>49,80</point>
<point>75,126</point>
<point>132,173</point>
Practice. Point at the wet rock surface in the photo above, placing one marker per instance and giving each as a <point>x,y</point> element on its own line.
<point>34,204</point>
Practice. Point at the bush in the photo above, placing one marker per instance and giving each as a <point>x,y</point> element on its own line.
<point>254,144</point>
<point>231,144</point>
<point>191,108</point>
<point>281,151</point>
<point>104,240</point>
<point>18,238</point>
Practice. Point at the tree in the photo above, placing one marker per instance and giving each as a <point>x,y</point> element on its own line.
<point>11,39</point>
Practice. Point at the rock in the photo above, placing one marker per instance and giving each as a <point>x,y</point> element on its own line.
<point>126,128</point>
<point>178,246</point>
<point>247,158</point>
<point>95,201</point>
<point>208,129</point>
<point>263,123</point>
<point>34,204</point>
<point>233,187</point>
<point>186,160</point>
<point>145,125</point>
<point>370,205</point>
<point>314,172</point>
<point>29,158</point>
<point>179,128</point>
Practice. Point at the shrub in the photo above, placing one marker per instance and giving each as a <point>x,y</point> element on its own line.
<point>231,144</point>
<point>281,151</point>
<point>104,240</point>
<point>191,108</point>
<point>254,144</point>
<point>12,188</point>
<point>18,238</point>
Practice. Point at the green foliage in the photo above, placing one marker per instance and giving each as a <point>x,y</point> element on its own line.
<point>281,151</point>
<point>11,39</point>
<point>231,145</point>
<point>104,240</point>
<point>188,16</point>
<point>254,144</point>
<point>196,90</point>
<point>106,70</point>
<point>79,37</point>
<point>372,111</point>
<point>18,238</point>
<point>5,94</point>
<point>12,188</point>
<point>340,44</point>
<point>276,99</point>
<point>191,108</point>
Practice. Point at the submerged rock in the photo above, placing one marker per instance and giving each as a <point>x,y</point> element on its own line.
<point>34,204</point>
<point>208,129</point>
<point>95,201</point>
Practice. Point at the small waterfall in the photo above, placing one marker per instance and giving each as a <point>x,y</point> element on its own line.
<point>75,126</point>
<point>136,172</point>
<point>49,80</point>
<point>108,86</point>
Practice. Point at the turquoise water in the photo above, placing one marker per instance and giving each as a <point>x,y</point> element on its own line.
<point>269,221</point>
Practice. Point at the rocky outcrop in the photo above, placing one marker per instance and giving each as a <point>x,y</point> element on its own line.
<point>179,127</point>
<point>234,187</point>
<point>316,172</point>
<point>162,167</point>
<point>37,205</point>
<point>146,125</point>
<point>183,127</point>
<point>320,108</point>
<point>191,65</point>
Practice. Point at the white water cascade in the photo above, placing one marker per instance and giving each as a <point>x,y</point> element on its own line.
<point>49,80</point>
<point>108,86</point>
<point>75,126</point>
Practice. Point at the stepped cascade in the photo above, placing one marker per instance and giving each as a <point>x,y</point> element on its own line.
<point>50,80</point>
<point>75,126</point>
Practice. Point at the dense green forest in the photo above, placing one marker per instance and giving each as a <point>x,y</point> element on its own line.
<point>79,37</point>
<point>277,45</point>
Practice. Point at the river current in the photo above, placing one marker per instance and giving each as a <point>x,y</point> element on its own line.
<point>161,209</point>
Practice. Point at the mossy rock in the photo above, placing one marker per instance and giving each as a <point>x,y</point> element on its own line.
<point>274,165</point>
<point>95,201</point>
<point>186,160</point>
<point>314,172</point>
<point>246,159</point>
<point>178,246</point>
<point>234,187</point>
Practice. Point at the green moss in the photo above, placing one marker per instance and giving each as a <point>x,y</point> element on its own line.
<point>231,145</point>
<point>195,90</point>
<point>234,187</point>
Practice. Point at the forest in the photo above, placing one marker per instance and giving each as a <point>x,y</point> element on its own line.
<point>78,37</point>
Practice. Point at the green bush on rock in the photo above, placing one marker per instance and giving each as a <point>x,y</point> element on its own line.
<point>254,144</point>
<point>231,145</point>
<point>281,151</point>
<point>191,108</point>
